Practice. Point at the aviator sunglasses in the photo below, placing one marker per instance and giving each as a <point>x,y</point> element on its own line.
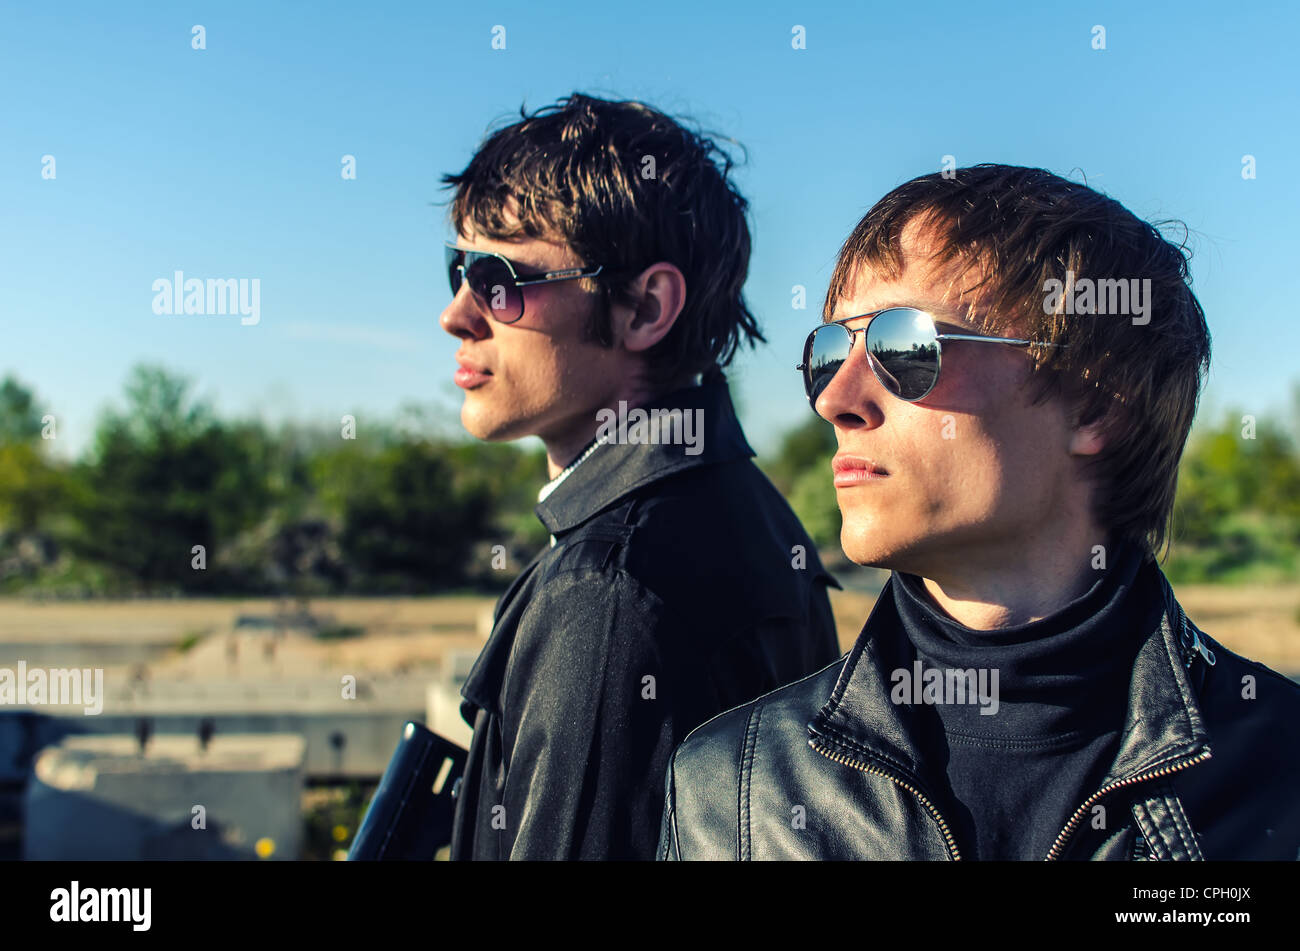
<point>904,349</point>
<point>496,281</point>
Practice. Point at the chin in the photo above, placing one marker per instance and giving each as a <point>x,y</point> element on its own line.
<point>485,421</point>
<point>863,539</point>
<point>872,545</point>
<point>482,425</point>
<point>868,556</point>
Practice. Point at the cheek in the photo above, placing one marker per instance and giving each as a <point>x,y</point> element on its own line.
<point>961,440</point>
<point>958,462</point>
<point>974,379</point>
<point>1006,456</point>
<point>980,403</point>
<point>536,365</point>
<point>552,368</point>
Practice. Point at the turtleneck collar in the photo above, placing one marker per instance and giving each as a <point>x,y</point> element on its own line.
<point>1055,677</point>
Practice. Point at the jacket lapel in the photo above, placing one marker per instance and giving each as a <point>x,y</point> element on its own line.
<point>859,713</point>
<point>1163,724</point>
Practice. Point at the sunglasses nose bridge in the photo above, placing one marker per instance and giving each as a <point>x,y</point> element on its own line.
<point>876,373</point>
<point>900,379</point>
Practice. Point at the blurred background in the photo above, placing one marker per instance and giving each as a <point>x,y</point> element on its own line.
<point>273,536</point>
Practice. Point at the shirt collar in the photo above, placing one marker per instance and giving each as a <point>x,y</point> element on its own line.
<point>611,469</point>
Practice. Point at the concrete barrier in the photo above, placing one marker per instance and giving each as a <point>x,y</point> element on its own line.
<point>107,798</point>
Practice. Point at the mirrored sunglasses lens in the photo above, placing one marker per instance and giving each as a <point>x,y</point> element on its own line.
<point>903,343</point>
<point>828,349</point>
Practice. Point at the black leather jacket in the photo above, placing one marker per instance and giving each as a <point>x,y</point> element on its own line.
<point>1208,765</point>
<point>671,593</point>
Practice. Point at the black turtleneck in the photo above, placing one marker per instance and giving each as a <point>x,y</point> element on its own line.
<point>1016,775</point>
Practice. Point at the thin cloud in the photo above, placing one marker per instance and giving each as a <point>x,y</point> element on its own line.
<point>354,335</point>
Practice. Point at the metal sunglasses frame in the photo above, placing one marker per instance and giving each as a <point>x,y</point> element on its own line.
<point>880,372</point>
<point>546,277</point>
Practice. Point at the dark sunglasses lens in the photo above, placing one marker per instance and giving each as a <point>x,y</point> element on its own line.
<point>491,282</point>
<point>454,261</point>
<point>827,349</point>
<point>903,343</point>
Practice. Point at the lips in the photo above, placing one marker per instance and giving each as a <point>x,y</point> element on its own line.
<point>470,375</point>
<point>855,470</point>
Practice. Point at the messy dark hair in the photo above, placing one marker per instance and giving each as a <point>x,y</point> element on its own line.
<point>1025,230</point>
<point>624,186</point>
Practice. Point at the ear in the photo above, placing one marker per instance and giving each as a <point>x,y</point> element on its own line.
<point>659,293</point>
<point>1088,439</point>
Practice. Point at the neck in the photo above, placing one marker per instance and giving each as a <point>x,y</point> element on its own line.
<point>564,446</point>
<point>1020,583</point>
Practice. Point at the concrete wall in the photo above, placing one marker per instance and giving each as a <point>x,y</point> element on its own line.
<point>101,798</point>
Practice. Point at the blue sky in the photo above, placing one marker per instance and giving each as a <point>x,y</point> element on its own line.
<point>225,162</point>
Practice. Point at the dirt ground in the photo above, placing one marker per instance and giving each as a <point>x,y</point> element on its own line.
<point>1262,622</point>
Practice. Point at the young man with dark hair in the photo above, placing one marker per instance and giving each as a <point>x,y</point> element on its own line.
<point>597,277</point>
<point>1011,362</point>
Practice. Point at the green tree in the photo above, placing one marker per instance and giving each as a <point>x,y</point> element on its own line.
<point>164,476</point>
<point>1237,512</point>
<point>32,489</point>
<point>413,524</point>
<point>20,416</point>
<point>32,486</point>
<point>801,470</point>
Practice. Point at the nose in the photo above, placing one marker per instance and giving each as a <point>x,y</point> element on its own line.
<point>462,318</point>
<point>854,398</point>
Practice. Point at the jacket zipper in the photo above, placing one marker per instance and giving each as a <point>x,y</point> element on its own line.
<point>1191,637</point>
<point>1055,852</point>
<point>866,768</point>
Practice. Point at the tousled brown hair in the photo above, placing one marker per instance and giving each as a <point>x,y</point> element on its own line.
<point>625,186</point>
<point>1018,229</point>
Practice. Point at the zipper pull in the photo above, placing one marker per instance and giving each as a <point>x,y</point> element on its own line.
<point>1201,649</point>
<point>1192,638</point>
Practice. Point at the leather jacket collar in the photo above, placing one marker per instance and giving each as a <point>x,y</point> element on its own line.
<point>616,469</point>
<point>1163,729</point>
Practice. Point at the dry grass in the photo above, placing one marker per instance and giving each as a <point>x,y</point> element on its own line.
<point>399,633</point>
<point>1260,621</point>
<point>162,620</point>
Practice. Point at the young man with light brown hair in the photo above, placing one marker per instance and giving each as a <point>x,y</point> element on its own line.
<point>1011,362</point>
